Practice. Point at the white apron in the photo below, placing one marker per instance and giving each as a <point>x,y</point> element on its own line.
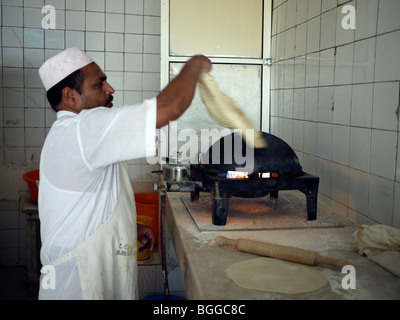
<point>107,259</point>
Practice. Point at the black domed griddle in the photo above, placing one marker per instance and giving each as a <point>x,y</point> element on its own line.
<point>224,171</point>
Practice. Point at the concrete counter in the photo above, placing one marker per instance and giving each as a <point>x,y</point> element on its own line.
<point>203,263</point>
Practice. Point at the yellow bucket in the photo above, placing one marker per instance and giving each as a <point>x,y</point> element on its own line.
<point>147,221</point>
<point>147,204</point>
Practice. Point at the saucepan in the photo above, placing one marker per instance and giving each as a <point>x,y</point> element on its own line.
<point>174,171</point>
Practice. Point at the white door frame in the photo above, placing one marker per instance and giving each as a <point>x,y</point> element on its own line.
<point>265,61</point>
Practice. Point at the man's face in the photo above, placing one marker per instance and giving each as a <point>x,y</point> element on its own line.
<point>96,92</point>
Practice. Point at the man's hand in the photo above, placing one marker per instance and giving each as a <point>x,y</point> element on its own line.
<point>146,236</point>
<point>203,62</point>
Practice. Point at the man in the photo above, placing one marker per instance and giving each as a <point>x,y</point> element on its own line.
<point>86,203</point>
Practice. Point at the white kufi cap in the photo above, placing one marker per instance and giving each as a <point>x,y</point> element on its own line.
<point>62,65</point>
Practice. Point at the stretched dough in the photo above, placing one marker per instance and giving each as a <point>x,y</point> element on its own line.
<point>224,111</point>
<point>273,275</point>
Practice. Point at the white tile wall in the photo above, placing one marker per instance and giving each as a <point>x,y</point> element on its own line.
<point>122,36</point>
<point>345,100</point>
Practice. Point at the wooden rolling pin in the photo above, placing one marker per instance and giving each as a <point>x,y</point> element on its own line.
<point>281,252</point>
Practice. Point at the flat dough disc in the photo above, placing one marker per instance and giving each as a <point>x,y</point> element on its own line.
<point>273,275</point>
<point>224,111</point>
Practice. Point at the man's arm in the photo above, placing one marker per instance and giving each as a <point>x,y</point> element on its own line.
<point>178,94</point>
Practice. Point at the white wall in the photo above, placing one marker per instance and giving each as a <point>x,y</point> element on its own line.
<point>334,99</point>
<point>122,36</point>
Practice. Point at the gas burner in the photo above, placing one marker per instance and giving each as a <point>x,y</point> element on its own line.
<point>273,168</point>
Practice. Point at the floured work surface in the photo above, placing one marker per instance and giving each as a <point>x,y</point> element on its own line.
<point>199,257</point>
<point>289,211</point>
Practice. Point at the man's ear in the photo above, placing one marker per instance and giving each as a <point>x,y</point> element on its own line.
<point>69,96</point>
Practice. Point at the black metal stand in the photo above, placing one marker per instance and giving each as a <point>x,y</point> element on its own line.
<point>222,190</point>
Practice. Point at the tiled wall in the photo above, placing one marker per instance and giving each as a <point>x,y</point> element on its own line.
<point>122,36</point>
<point>335,100</point>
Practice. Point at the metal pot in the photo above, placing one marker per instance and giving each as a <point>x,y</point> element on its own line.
<point>176,172</point>
<point>173,171</point>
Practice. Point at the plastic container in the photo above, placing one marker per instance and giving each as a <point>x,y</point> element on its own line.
<point>147,221</point>
<point>32,178</point>
<point>147,204</point>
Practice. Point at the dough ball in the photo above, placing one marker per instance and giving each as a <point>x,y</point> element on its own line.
<point>277,276</point>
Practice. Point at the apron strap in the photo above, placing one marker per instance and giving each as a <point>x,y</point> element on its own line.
<point>62,259</point>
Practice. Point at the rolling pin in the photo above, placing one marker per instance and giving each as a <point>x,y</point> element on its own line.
<point>281,252</point>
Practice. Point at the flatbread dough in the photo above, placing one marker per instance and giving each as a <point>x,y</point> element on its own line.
<point>381,244</point>
<point>224,111</point>
<point>277,276</point>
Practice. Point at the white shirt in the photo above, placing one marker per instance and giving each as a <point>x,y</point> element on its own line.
<point>79,175</point>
